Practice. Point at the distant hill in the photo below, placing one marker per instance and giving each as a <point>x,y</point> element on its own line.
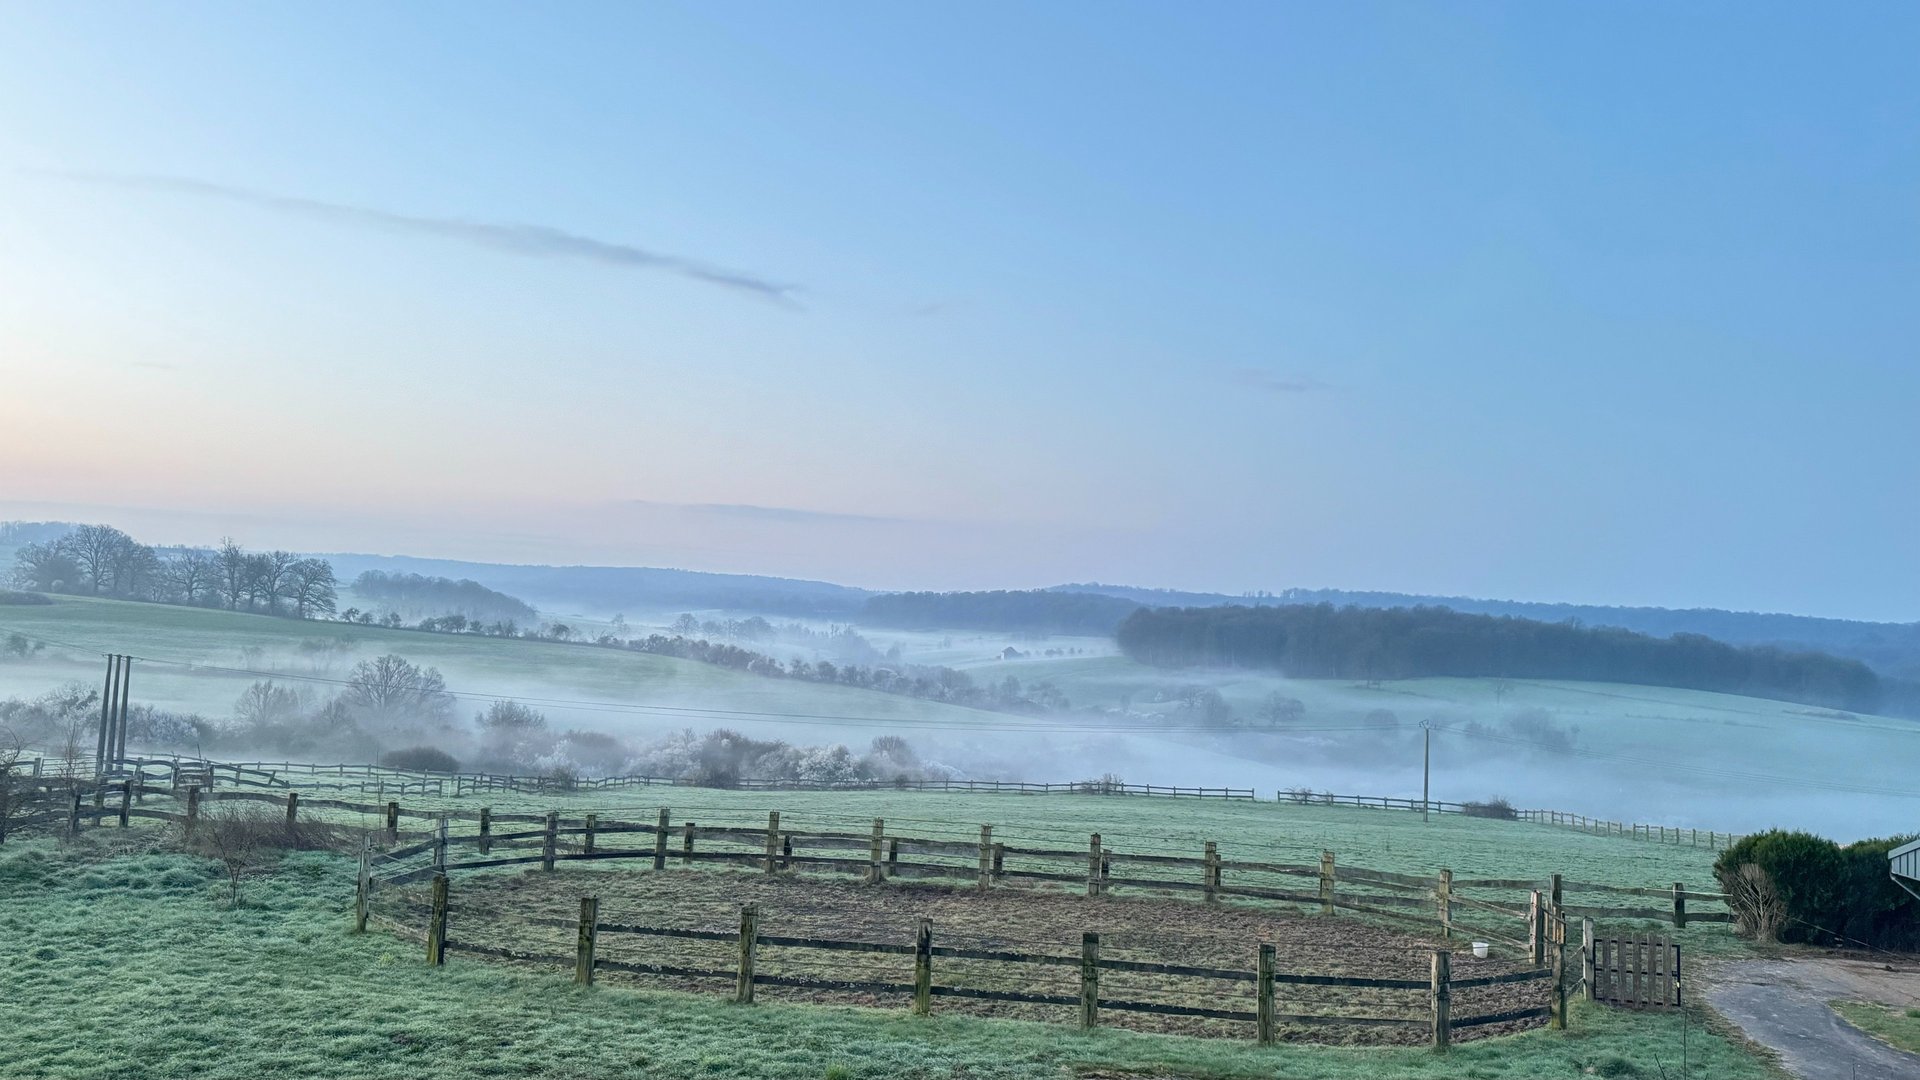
<point>608,589</point>
<point>417,595</point>
<point>1889,648</point>
<point>1034,612</point>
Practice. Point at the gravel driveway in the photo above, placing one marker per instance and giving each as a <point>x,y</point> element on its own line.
<point>1782,1004</point>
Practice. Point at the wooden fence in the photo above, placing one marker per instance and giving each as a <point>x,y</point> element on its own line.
<point>965,971</point>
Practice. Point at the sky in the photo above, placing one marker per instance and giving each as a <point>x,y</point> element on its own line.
<point>1595,303</point>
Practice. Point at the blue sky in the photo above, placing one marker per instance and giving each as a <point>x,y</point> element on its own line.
<point>1544,301</point>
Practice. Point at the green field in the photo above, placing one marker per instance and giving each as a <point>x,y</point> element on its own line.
<point>1896,1027</point>
<point>101,930</point>
<point>1628,753</point>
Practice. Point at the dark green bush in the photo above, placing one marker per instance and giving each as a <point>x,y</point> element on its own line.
<point>420,759</point>
<point>1833,895</point>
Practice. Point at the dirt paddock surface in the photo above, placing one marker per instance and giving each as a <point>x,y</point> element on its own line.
<point>535,914</point>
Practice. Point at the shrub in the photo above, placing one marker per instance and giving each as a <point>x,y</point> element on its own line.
<point>1757,908</point>
<point>1495,807</point>
<point>560,778</point>
<point>420,759</point>
<point>11,596</point>
<point>242,837</point>
<point>1806,871</point>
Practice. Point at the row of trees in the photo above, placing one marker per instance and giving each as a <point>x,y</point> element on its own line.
<point>414,594</point>
<point>1037,611</point>
<point>1322,641</point>
<point>100,560</point>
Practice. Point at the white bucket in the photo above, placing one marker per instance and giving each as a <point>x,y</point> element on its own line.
<point>1480,949</point>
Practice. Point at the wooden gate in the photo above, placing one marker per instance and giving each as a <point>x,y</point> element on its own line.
<point>1641,972</point>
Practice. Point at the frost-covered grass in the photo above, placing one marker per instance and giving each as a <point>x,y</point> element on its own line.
<point>130,965</point>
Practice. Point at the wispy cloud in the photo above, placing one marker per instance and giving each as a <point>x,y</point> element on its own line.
<point>785,514</point>
<point>535,241</point>
<point>1275,383</point>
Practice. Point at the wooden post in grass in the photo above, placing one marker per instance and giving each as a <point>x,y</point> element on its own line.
<point>1443,899</point>
<point>923,969</point>
<point>293,808</point>
<point>1440,999</point>
<point>999,859</point>
<point>126,801</point>
<point>1679,905</point>
<point>1210,871</point>
<point>876,872</point>
<point>773,840</point>
<point>1587,966</point>
<point>786,851</point>
<point>1093,865</point>
<point>586,842</point>
<point>486,829</point>
<point>1556,895</point>
<point>1089,980</point>
<point>986,858</point>
<point>1263,995</point>
<point>1326,883</point>
<point>363,886</point>
<point>589,933</point>
<point>660,839</point>
<point>1558,1004</point>
<point>193,807</point>
<point>1536,927</point>
<point>437,927</point>
<point>393,822</point>
<point>893,856</point>
<point>550,841</point>
<point>749,937</point>
<point>686,845</point>
<point>440,846</point>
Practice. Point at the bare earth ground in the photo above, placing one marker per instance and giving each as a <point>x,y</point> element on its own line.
<point>1782,1004</point>
<point>499,909</point>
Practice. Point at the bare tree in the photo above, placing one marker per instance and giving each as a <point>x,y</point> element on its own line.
<point>275,570</point>
<point>15,792</point>
<point>1758,909</point>
<point>232,572</point>
<point>192,575</point>
<point>98,550</point>
<point>46,566</point>
<point>311,587</point>
<point>399,693</point>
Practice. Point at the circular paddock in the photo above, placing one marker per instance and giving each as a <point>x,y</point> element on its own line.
<point>532,917</point>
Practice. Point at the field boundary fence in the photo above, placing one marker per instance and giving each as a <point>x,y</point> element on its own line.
<point>383,781</point>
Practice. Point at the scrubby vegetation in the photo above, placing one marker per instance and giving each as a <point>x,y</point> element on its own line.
<point>1801,887</point>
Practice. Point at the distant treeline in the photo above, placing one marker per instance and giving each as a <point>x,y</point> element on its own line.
<point>1037,612</point>
<point>1323,641</point>
<point>419,592</point>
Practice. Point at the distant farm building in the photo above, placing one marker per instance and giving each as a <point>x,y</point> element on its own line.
<point>1011,653</point>
<point>1905,863</point>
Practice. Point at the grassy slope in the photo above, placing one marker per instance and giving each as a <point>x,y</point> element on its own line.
<point>130,966</point>
<point>1896,1027</point>
<point>482,664</point>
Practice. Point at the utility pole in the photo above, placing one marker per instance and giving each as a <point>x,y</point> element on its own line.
<point>107,697</point>
<point>1426,770</point>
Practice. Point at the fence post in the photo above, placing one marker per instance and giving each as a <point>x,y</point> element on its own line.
<point>126,801</point>
<point>686,845</point>
<point>363,886</point>
<point>1587,966</point>
<point>73,815</point>
<point>1443,898</point>
<point>293,808</point>
<point>1093,865</point>
<point>986,858</point>
<point>893,856</point>
<point>550,842</point>
<point>999,859</point>
<point>486,829</point>
<point>923,969</point>
<point>786,851</point>
<point>437,928</point>
<point>193,807</point>
<point>440,846</point>
<point>773,839</point>
<point>593,822</point>
<point>876,873</point>
<point>393,822</point>
<point>749,935</point>
<point>1263,996</point>
<point>1210,871</point>
<point>660,839</point>
<point>1326,883</point>
<point>1536,927</point>
<point>589,933</point>
<point>1559,1003</point>
<point>1089,979</point>
<point>1679,905</point>
<point>1440,997</point>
